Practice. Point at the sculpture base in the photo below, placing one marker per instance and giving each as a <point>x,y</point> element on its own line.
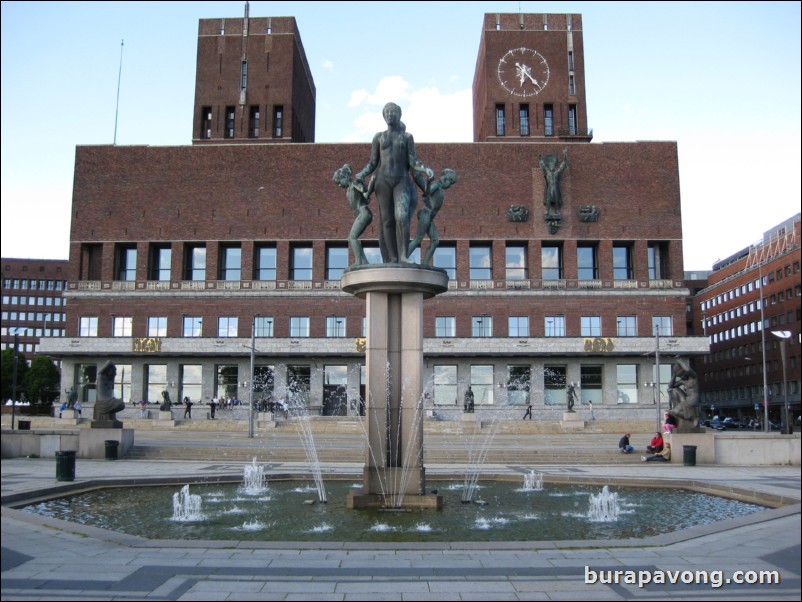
<point>106,424</point>
<point>357,500</point>
<point>571,420</point>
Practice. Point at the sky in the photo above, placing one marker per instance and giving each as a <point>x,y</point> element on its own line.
<point>722,79</point>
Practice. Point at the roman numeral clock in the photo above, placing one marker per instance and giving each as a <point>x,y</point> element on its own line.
<point>523,72</point>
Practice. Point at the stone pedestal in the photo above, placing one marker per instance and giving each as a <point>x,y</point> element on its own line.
<point>394,473</point>
<point>572,421</point>
<point>69,417</point>
<point>166,417</point>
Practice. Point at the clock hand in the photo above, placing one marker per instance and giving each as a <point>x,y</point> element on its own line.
<point>525,72</point>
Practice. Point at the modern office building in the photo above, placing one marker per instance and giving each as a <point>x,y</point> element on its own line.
<point>180,257</point>
<point>750,311</point>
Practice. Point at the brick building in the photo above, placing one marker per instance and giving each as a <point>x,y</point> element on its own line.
<point>33,306</point>
<point>180,255</point>
<point>745,353</point>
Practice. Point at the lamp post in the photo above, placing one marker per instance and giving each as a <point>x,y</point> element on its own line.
<point>657,369</point>
<point>784,335</point>
<point>253,359</point>
<point>763,347</point>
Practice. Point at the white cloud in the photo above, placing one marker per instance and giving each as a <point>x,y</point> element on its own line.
<point>328,65</point>
<point>430,115</point>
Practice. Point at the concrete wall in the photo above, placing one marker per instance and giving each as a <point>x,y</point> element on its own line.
<point>739,448</point>
<point>87,443</point>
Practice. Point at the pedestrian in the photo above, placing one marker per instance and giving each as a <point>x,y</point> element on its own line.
<point>143,409</point>
<point>213,406</point>
<point>77,408</point>
<point>590,405</point>
<point>469,401</point>
<point>528,411</point>
<point>62,408</point>
<point>187,408</point>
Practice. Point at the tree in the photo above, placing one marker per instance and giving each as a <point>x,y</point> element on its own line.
<point>42,380</point>
<point>7,373</point>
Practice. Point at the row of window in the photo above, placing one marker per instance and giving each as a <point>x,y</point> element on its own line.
<point>31,316</point>
<point>548,118</point>
<point>753,306</point>
<point>514,389</point>
<point>752,327</point>
<point>255,120</point>
<point>445,326</point>
<point>42,285</point>
<point>26,300</point>
<point>753,393</point>
<point>265,261</point>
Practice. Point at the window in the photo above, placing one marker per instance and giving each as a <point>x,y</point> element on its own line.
<point>482,326</point>
<point>445,257</point>
<point>555,326</point>
<point>554,385</point>
<point>622,262</point>
<point>299,379</point>
<point>665,325</point>
<point>126,263</point>
<point>278,121</point>
<point>480,263</point>
<point>195,263</point>
<point>590,326</point>
<point>516,262</point>
<point>301,268</point>
<point>160,258</point>
<point>299,326</point>
<point>591,384</point>
<point>445,326</point>
<point>552,261</point>
<point>88,327</point>
<point>518,385</point>
<point>156,377</point>
<point>264,380</point>
<point>373,254</point>
<point>518,326</point>
<point>206,123</point>
<point>570,60</point>
<point>548,119</point>
<point>336,262</point>
<point>572,131</point>
<point>122,382</point>
<point>244,75</point>
<point>157,326</point>
<point>587,262</point>
<point>265,263</point>
<point>192,326</point>
<point>335,326</point>
<point>658,261</point>
<point>227,326</point>
<point>230,262</point>
<point>229,131</point>
<point>121,327</point>
<point>627,382</point>
<point>445,385</point>
<point>500,121</point>
<point>482,384</point>
<point>191,381</point>
<point>335,391</point>
<point>627,326</point>
<point>523,113</point>
<point>263,326</point>
<point>227,379</point>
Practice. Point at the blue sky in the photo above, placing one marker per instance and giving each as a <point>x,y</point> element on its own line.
<point>722,79</point>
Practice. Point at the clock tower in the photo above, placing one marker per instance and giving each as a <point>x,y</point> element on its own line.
<point>529,83</point>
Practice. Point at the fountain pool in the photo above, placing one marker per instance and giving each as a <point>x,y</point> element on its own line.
<point>288,511</point>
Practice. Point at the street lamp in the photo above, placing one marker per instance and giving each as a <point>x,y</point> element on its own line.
<point>657,369</point>
<point>14,376</point>
<point>784,335</point>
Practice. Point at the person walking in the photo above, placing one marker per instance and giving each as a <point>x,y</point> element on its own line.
<point>187,408</point>
<point>528,412</point>
<point>213,406</point>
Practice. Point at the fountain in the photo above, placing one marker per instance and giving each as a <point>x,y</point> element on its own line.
<point>604,508</point>
<point>477,454</point>
<point>533,481</point>
<point>299,414</point>
<point>253,479</point>
<point>187,506</point>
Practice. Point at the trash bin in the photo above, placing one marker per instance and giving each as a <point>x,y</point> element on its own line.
<point>24,425</point>
<point>111,449</point>
<point>689,455</point>
<point>65,465</point>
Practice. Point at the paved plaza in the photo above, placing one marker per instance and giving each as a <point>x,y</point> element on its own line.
<point>48,559</point>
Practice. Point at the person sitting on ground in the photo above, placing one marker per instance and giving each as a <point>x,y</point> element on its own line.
<point>656,445</point>
<point>663,456</point>
<point>624,445</point>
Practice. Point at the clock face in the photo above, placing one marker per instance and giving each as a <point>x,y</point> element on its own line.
<point>523,72</point>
